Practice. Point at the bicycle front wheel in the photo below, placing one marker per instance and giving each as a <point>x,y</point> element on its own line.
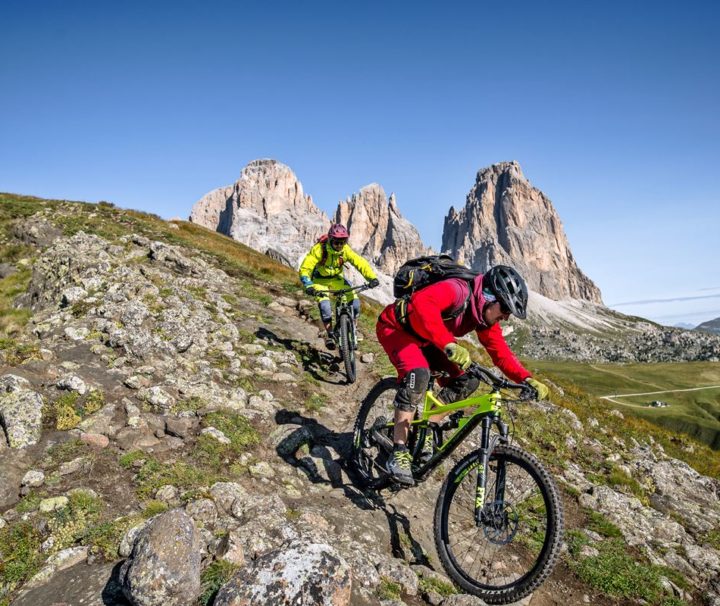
<point>347,346</point>
<point>513,547</point>
<point>373,435</point>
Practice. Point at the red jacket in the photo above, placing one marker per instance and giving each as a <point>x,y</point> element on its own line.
<point>428,306</point>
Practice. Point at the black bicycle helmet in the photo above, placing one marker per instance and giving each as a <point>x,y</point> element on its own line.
<point>509,289</point>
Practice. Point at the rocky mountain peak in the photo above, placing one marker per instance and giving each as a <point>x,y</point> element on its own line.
<point>265,209</point>
<point>377,229</point>
<point>506,220</point>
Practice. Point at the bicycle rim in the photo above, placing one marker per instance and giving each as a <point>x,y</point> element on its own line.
<point>514,548</point>
<point>372,434</point>
<point>346,347</point>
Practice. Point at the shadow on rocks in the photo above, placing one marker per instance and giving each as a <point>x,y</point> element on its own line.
<point>310,446</point>
<point>112,594</point>
<point>315,362</point>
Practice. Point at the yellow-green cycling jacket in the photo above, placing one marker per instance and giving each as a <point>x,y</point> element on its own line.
<point>314,267</point>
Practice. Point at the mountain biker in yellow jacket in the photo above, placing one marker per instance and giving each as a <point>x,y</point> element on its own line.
<point>322,270</point>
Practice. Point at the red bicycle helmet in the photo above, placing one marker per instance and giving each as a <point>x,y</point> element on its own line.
<point>338,232</point>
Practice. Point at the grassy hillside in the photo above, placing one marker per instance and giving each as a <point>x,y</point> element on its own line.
<point>696,413</point>
<point>618,573</point>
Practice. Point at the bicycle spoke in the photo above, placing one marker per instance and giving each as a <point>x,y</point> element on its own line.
<point>497,557</point>
<point>375,416</point>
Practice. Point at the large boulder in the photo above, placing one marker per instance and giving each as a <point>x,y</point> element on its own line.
<point>164,566</point>
<point>298,574</point>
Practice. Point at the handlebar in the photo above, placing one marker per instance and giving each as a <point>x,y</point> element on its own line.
<point>344,291</point>
<point>527,392</point>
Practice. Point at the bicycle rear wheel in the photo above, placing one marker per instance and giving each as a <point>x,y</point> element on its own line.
<point>514,548</point>
<point>372,435</point>
<point>347,346</point>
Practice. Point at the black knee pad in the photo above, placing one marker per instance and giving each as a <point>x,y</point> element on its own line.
<point>412,392</point>
<point>459,388</point>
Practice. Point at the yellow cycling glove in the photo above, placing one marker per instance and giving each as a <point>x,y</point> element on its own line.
<point>458,355</point>
<point>541,388</point>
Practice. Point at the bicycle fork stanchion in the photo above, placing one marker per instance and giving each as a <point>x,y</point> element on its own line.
<point>482,467</point>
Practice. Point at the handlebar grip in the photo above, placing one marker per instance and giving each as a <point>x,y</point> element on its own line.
<point>528,392</point>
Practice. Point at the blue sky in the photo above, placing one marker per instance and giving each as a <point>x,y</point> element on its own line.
<point>611,109</point>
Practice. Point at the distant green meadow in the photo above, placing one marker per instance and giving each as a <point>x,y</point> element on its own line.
<point>696,413</point>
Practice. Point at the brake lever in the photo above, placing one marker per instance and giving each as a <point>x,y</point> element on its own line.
<point>528,392</point>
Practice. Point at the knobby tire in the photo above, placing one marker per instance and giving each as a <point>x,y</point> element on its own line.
<point>367,459</point>
<point>347,347</point>
<point>504,562</point>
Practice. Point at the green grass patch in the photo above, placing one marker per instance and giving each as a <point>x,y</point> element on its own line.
<point>213,578</point>
<point>618,574</point>
<point>570,376</point>
<point>428,583</point>
<point>94,401</point>
<point>20,556</point>
<point>16,353</point>
<point>12,320</point>
<point>191,404</point>
<point>69,409</point>
<point>597,522</point>
<point>153,507</point>
<point>712,538</point>
<point>315,402</point>
<point>70,525</point>
<point>104,537</point>
<point>217,359</point>
<point>388,589</point>
<point>215,455</point>
<point>29,502</point>
<point>153,474</point>
<point>67,451</point>
<point>127,460</point>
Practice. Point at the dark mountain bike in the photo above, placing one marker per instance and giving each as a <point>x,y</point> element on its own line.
<point>344,333</point>
<point>498,520</point>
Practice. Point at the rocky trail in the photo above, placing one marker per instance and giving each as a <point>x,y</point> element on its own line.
<point>172,434</point>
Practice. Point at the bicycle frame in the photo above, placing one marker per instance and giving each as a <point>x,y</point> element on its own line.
<point>487,412</point>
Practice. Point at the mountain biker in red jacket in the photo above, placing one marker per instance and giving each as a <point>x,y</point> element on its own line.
<point>435,316</point>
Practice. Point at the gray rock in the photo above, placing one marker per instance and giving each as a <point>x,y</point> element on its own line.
<point>225,494</point>
<point>72,295</point>
<point>298,574</point>
<point>202,510</point>
<point>164,566</point>
<point>33,478</point>
<point>400,573</point>
<point>20,413</point>
<point>80,584</point>
<point>182,427</point>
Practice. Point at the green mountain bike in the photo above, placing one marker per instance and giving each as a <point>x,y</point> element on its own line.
<point>498,521</point>
<point>344,333</point>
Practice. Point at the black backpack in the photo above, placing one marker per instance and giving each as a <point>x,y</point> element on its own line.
<point>424,271</point>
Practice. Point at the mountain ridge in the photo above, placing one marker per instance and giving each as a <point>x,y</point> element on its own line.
<point>521,220</point>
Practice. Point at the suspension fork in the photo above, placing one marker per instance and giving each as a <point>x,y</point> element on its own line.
<point>482,470</point>
<point>487,445</point>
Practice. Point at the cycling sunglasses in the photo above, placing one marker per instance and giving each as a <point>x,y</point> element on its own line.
<point>337,241</point>
<point>504,308</point>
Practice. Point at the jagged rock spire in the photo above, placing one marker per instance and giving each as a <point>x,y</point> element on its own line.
<point>506,220</point>
<point>377,229</point>
<point>265,209</point>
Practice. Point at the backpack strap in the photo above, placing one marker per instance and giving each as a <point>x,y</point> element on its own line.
<point>402,305</point>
